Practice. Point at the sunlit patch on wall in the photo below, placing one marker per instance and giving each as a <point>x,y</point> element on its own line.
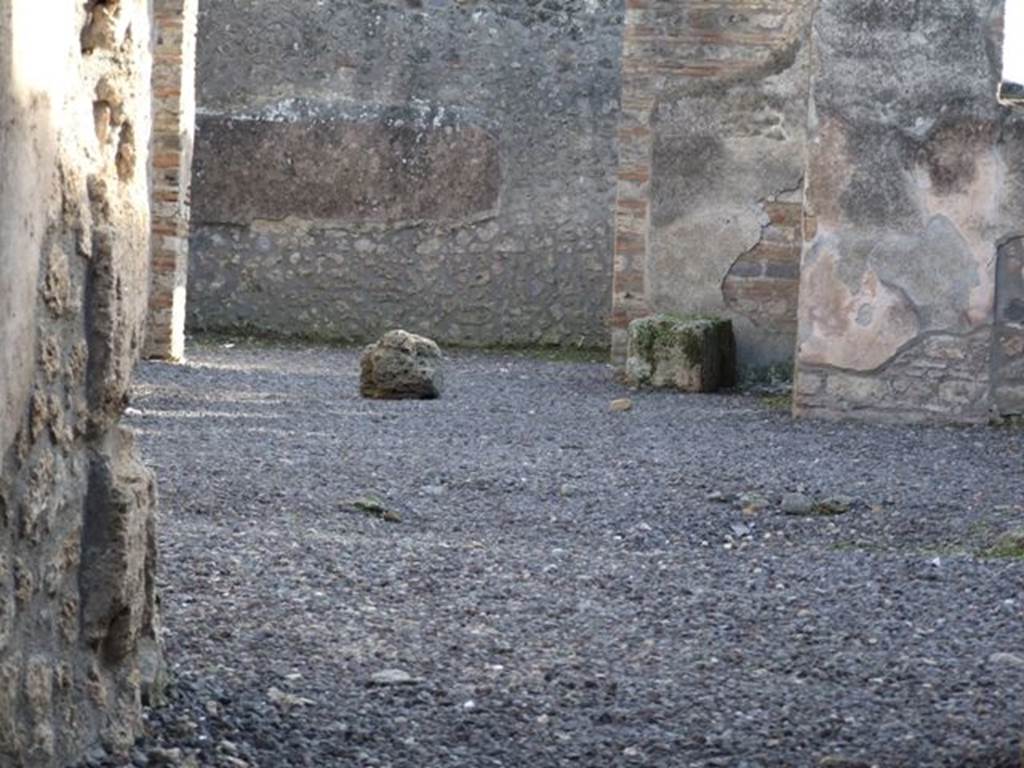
<point>1011,89</point>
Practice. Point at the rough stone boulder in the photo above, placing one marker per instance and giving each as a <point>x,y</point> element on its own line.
<point>689,354</point>
<point>401,366</point>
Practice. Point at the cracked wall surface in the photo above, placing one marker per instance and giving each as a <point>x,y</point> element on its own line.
<point>77,604</point>
<point>447,167</point>
<point>709,210</point>
<point>915,200</point>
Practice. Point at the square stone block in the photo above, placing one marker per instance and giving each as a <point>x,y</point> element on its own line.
<point>691,354</point>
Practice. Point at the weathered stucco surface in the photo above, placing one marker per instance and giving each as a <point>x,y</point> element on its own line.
<point>714,116</point>
<point>915,200</point>
<point>76,538</point>
<point>446,167</point>
<point>1008,344</point>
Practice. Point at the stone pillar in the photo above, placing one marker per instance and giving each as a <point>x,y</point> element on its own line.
<point>76,507</point>
<point>915,197</point>
<point>710,184</point>
<point>174,54</point>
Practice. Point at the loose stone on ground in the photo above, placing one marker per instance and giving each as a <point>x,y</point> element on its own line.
<point>797,504</point>
<point>401,366</point>
<point>688,354</point>
<point>392,677</point>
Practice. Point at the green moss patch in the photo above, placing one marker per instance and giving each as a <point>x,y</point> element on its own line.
<point>1008,546</point>
<point>663,335</point>
<point>782,403</point>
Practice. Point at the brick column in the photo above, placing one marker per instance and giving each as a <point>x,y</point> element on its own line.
<point>676,55</point>
<point>632,207</point>
<point>173,131</point>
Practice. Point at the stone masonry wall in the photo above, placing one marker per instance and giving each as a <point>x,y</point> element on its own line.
<point>77,613</point>
<point>443,166</point>
<point>709,210</point>
<point>913,276</point>
<point>174,38</point>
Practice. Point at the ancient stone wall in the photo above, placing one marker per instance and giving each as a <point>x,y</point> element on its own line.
<point>443,166</point>
<point>174,38</point>
<point>912,284</point>
<point>708,219</point>
<point>76,536</point>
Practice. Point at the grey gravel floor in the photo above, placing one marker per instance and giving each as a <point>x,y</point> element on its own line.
<point>569,586</point>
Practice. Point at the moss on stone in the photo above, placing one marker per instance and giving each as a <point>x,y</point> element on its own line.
<point>691,353</point>
<point>1014,422</point>
<point>667,333</point>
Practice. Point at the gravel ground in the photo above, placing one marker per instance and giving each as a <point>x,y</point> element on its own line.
<point>533,580</point>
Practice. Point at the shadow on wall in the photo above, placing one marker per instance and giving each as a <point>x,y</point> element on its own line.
<point>1008,335</point>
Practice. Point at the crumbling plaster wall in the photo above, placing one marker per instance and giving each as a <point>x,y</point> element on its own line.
<point>76,530</point>
<point>446,166</point>
<point>912,289</point>
<point>712,141</point>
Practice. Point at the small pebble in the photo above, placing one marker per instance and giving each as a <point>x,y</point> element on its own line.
<point>1003,659</point>
<point>797,504</point>
<point>158,756</point>
<point>392,677</point>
